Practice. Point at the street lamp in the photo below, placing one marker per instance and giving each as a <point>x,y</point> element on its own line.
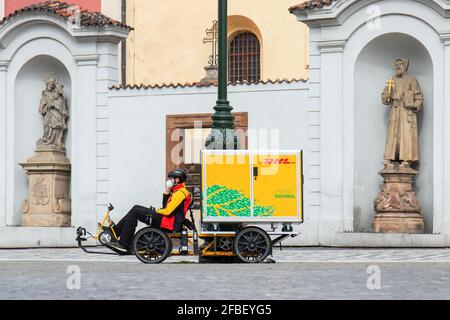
<point>223,135</point>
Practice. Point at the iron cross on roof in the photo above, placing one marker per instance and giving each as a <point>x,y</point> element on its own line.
<point>212,36</point>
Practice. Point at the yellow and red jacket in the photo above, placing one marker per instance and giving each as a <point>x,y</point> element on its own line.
<point>175,205</point>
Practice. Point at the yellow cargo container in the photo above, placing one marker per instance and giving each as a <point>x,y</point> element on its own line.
<point>252,186</point>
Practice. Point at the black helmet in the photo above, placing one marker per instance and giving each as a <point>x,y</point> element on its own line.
<point>178,173</point>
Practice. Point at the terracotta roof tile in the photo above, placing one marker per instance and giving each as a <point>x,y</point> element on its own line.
<point>310,5</point>
<point>199,84</point>
<point>64,10</point>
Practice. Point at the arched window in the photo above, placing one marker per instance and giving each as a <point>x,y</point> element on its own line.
<point>244,58</point>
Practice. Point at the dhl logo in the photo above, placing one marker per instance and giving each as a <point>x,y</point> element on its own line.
<point>276,161</point>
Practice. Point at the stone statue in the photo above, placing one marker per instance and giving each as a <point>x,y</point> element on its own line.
<point>396,206</point>
<point>53,108</point>
<point>48,203</point>
<point>404,95</point>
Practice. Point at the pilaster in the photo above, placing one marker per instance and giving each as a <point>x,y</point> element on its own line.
<point>441,220</point>
<point>331,217</point>
<point>3,72</point>
<point>83,163</point>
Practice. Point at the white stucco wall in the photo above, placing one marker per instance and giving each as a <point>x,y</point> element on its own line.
<point>348,72</point>
<point>86,62</point>
<point>137,135</point>
<point>113,9</point>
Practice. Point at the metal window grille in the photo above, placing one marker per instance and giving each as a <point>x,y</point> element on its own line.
<point>244,58</point>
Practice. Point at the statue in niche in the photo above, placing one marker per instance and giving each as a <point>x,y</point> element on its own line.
<point>53,108</point>
<point>396,206</point>
<point>404,95</point>
<point>48,203</point>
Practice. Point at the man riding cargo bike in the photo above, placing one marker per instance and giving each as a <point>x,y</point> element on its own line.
<point>170,218</point>
<point>176,201</point>
<point>249,203</point>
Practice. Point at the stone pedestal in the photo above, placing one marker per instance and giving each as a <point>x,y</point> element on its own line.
<point>48,203</point>
<point>212,75</point>
<point>396,206</point>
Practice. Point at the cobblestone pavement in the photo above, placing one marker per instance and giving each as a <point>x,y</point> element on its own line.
<point>301,273</point>
<point>304,254</point>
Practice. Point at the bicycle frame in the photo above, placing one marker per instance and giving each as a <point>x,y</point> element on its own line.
<point>106,219</point>
<point>81,232</point>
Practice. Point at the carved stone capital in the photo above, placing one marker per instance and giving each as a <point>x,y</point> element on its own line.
<point>4,65</point>
<point>331,46</point>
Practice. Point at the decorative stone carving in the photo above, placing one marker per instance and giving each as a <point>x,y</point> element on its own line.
<point>40,189</point>
<point>396,206</point>
<point>212,70</point>
<point>48,203</point>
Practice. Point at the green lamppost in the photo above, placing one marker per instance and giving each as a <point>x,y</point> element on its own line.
<point>223,135</point>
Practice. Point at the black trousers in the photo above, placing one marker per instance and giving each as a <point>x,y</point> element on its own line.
<point>127,225</point>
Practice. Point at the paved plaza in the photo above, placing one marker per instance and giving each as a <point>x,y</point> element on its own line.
<point>299,273</point>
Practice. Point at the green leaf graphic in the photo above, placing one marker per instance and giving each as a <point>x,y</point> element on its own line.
<point>225,202</point>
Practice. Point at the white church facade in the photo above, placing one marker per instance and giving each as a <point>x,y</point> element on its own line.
<point>120,137</point>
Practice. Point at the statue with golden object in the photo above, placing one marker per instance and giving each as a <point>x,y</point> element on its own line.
<point>404,95</point>
<point>396,206</point>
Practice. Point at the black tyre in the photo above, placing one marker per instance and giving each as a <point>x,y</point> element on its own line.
<point>151,245</point>
<point>252,245</point>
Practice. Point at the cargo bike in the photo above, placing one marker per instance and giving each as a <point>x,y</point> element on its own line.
<point>250,202</point>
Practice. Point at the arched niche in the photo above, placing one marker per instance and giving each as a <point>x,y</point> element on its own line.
<point>28,127</point>
<point>373,67</point>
